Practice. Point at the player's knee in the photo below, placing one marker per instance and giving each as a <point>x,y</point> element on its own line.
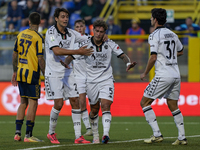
<point>58,106</point>
<point>105,107</point>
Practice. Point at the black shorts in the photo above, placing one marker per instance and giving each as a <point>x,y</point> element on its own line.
<point>29,90</point>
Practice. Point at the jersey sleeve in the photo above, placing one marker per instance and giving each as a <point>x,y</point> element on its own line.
<point>79,38</point>
<point>51,39</point>
<point>15,47</point>
<point>153,43</point>
<point>116,49</point>
<point>40,46</point>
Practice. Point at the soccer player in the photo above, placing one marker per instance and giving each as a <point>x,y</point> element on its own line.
<point>99,84</point>
<point>165,47</point>
<point>80,77</point>
<point>59,81</point>
<point>27,62</point>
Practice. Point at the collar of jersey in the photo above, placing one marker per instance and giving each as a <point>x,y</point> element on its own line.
<point>160,27</point>
<point>66,31</point>
<point>95,44</point>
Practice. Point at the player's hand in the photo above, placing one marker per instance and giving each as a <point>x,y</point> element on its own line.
<point>131,66</point>
<point>64,64</point>
<point>85,51</point>
<point>13,80</point>
<point>142,76</point>
<point>105,37</point>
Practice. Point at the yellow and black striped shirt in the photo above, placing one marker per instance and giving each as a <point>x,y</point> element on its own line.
<point>29,44</point>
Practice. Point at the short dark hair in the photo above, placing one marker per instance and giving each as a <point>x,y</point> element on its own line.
<point>58,10</point>
<point>160,15</point>
<point>100,23</point>
<point>80,21</point>
<point>35,18</point>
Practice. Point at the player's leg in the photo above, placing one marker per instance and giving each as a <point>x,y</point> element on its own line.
<point>94,120</point>
<point>106,119</point>
<point>84,113</point>
<point>73,95</point>
<point>106,94</point>
<point>54,91</point>
<point>172,97</point>
<point>30,117</point>
<point>76,118</point>
<point>178,119</point>
<point>151,119</point>
<point>54,114</point>
<point>20,118</point>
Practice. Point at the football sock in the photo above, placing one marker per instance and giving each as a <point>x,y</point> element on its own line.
<point>53,120</point>
<point>19,124</point>
<point>94,124</point>
<point>29,128</point>
<point>151,119</point>
<point>76,118</point>
<point>178,119</point>
<point>85,118</point>
<point>106,121</point>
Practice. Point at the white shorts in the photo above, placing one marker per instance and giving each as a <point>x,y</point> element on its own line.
<point>81,85</point>
<point>163,87</point>
<point>104,90</point>
<point>59,87</point>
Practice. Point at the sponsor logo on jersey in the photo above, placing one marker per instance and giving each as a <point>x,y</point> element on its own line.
<point>52,38</point>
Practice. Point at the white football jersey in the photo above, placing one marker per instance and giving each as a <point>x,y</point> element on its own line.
<point>98,65</point>
<point>79,64</point>
<point>54,38</point>
<point>165,44</point>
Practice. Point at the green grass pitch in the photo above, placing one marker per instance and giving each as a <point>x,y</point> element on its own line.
<point>125,133</point>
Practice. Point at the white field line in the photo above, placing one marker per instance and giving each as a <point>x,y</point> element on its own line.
<point>135,140</point>
<point>70,122</point>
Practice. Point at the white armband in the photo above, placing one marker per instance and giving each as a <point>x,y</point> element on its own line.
<point>128,64</point>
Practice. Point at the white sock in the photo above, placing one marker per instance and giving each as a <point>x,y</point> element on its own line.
<point>76,118</point>
<point>178,119</point>
<point>106,121</point>
<point>94,124</point>
<point>151,119</point>
<point>85,118</point>
<point>53,120</point>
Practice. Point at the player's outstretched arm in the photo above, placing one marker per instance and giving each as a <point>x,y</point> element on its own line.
<point>14,61</point>
<point>81,51</point>
<point>127,61</point>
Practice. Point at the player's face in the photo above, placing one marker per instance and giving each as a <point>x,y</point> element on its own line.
<point>98,33</point>
<point>80,27</point>
<point>62,19</point>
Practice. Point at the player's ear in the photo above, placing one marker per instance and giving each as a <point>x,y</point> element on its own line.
<point>29,22</point>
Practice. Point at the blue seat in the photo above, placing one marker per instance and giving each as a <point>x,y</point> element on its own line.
<point>73,18</point>
<point>68,4</point>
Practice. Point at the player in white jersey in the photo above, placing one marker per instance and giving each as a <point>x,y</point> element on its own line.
<point>99,84</point>
<point>79,66</point>
<point>58,79</point>
<point>165,47</point>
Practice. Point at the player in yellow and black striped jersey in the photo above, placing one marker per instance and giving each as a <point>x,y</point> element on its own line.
<point>29,46</point>
<point>27,62</point>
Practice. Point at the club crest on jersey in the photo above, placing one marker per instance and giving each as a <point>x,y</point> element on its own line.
<point>106,46</point>
<point>69,34</point>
